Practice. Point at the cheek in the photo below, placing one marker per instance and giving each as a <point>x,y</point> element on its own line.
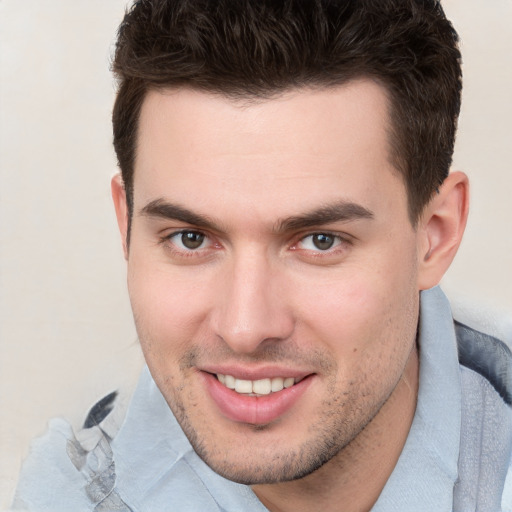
<point>169,308</point>
<point>360,306</point>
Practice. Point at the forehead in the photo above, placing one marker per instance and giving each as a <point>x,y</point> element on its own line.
<point>304,146</point>
<point>317,116</point>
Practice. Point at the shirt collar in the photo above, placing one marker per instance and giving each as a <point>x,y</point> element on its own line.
<point>426,471</point>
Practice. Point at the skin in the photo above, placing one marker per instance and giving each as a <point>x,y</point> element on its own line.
<point>257,295</point>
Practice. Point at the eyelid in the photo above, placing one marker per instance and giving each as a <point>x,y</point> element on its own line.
<point>344,240</point>
<point>167,240</point>
<point>335,234</point>
<point>337,239</point>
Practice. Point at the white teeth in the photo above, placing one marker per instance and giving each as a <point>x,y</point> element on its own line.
<point>243,386</point>
<point>258,387</point>
<point>289,382</point>
<point>262,387</point>
<point>277,383</point>
<point>229,381</point>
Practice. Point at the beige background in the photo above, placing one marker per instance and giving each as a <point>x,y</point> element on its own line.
<point>66,331</point>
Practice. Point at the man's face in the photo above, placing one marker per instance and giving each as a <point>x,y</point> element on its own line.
<point>271,251</point>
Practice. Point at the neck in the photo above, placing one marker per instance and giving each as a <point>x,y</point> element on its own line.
<point>355,477</point>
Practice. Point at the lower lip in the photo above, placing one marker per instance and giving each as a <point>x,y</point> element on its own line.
<point>254,410</point>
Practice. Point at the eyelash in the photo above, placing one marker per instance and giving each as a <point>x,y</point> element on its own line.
<point>182,252</point>
<point>341,243</point>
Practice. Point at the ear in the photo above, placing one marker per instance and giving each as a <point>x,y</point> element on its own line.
<point>441,228</point>
<point>119,197</point>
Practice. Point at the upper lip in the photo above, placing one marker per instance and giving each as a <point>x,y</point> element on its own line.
<point>246,373</point>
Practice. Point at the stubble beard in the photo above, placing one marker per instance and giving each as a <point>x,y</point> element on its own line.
<point>343,417</point>
<point>340,417</point>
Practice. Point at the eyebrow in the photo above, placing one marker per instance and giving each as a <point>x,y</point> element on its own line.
<point>165,210</point>
<point>341,211</point>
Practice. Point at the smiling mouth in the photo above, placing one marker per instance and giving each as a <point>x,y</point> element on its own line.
<point>259,387</point>
<point>259,401</point>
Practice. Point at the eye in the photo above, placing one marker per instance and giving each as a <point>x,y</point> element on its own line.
<point>188,240</point>
<point>319,242</point>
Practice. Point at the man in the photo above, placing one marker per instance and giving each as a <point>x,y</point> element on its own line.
<point>286,213</point>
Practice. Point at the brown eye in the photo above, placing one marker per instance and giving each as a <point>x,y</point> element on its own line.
<point>322,241</point>
<point>192,239</point>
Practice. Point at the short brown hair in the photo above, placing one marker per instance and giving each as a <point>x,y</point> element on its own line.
<point>259,48</point>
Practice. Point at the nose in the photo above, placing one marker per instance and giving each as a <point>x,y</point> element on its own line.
<point>252,309</point>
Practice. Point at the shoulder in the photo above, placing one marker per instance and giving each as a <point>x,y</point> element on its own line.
<point>488,356</point>
<point>485,474</point>
<point>68,469</point>
<point>128,455</point>
<point>48,478</point>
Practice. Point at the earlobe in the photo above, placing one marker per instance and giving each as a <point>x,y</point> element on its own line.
<point>120,205</point>
<point>441,228</point>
